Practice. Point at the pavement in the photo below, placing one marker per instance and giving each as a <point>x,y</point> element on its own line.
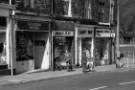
<point>38,75</point>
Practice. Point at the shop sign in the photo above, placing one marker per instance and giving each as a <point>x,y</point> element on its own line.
<point>63,33</point>
<point>105,35</point>
<point>86,33</point>
<point>27,25</point>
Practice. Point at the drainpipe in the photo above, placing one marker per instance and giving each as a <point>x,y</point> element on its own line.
<point>93,44</point>
<point>76,44</point>
<point>117,33</point>
<point>50,35</point>
<point>117,38</point>
<point>10,41</point>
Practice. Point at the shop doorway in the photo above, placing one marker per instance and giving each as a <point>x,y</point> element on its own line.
<point>60,45</point>
<point>84,43</point>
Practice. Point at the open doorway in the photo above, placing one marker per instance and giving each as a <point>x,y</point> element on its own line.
<point>60,45</point>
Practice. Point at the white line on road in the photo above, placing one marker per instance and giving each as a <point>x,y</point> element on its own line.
<point>98,88</point>
<point>124,83</point>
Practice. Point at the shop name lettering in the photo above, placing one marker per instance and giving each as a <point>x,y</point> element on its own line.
<point>39,43</point>
<point>63,33</point>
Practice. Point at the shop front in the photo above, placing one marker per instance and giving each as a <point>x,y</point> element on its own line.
<point>84,41</point>
<point>104,47</point>
<point>63,41</point>
<point>97,41</point>
<point>32,45</point>
<point>5,29</point>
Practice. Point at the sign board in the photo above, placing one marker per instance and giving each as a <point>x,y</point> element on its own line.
<point>63,33</point>
<point>85,33</point>
<point>29,25</point>
<point>105,34</point>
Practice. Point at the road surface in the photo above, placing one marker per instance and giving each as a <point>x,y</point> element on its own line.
<point>116,80</point>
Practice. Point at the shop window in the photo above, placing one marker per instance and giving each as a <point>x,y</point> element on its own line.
<point>3,21</point>
<point>24,47</point>
<point>3,60</point>
<point>2,53</point>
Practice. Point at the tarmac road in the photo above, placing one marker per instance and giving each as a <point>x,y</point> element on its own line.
<point>122,80</point>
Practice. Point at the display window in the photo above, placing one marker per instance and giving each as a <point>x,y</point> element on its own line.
<point>102,51</point>
<point>24,46</point>
<point>3,60</point>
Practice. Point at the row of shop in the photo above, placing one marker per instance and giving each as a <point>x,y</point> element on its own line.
<point>31,42</point>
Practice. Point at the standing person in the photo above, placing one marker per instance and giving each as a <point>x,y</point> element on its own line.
<point>68,60</point>
<point>84,62</point>
<point>90,64</point>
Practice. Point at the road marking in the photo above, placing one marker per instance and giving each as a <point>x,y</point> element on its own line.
<point>98,88</point>
<point>124,83</point>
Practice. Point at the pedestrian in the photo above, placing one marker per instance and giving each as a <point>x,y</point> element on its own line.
<point>119,63</point>
<point>68,60</point>
<point>84,62</point>
<point>90,64</point>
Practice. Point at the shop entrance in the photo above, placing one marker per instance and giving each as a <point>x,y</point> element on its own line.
<point>61,44</point>
<point>84,43</point>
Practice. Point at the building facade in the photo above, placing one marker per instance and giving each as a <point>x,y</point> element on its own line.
<point>32,35</point>
<point>42,31</point>
<point>5,35</point>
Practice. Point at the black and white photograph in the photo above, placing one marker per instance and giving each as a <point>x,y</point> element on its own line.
<point>67,44</point>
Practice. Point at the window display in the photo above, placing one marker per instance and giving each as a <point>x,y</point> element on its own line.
<point>2,53</point>
<point>24,46</point>
<point>101,51</point>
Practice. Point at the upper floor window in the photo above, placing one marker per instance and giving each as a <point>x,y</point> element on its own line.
<point>39,6</point>
<point>70,8</point>
<point>4,1</point>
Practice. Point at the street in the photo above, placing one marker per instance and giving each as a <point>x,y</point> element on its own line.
<point>117,80</point>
